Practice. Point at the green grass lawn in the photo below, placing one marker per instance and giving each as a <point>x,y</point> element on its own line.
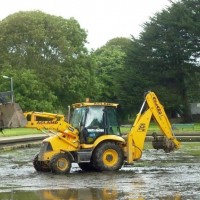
<point>19,131</point>
<point>124,129</point>
<point>155,128</point>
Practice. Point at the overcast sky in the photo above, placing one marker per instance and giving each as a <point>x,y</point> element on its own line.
<point>102,19</point>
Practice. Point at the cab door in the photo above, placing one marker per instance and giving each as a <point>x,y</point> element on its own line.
<point>112,125</point>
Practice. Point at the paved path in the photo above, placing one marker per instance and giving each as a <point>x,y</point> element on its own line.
<point>7,143</point>
<point>23,138</point>
<point>14,142</point>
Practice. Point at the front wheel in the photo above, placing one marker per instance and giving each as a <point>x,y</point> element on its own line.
<point>108,156</point>
<point>40,166</point>
<point>60,163</point>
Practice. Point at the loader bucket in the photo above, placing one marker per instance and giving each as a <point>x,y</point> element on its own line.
<point>11,116</point>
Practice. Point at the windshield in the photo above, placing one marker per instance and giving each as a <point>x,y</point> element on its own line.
<point>95,118</point>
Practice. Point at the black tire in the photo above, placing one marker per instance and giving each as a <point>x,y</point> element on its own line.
<point>39,165</point>
<point>88,167</point>
<point>60,163</point>
<point>108,156</point>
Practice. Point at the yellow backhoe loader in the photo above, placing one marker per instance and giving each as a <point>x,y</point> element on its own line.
<point>93,138</point>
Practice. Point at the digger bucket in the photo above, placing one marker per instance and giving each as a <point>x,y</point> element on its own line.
<point>161,142</point>
<point>11,116</point>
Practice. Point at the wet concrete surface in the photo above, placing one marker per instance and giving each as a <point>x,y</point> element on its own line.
<point>174,176</point>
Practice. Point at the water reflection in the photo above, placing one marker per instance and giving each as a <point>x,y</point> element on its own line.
<point>77,194</point>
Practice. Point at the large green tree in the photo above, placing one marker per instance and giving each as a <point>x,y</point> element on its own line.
<point>53,49</point>
<point>110,63</point>
<point>166,56</point>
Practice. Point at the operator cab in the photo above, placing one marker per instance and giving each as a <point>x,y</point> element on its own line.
<point>94,120</point>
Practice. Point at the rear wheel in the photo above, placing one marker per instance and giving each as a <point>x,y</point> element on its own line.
<point>60,163</point>
<point>39,165</point>
<point>108,156</point>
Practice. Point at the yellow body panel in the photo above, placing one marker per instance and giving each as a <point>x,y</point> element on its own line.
<point>65,141</point>
<point>102,139</point>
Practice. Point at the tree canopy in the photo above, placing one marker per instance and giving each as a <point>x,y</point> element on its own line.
<point>165,58</point>
<point>53,50</point>
<point>110,61</point>
<point>52,68</point>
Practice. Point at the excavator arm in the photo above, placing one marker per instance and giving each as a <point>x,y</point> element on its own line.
<point>137,134</point>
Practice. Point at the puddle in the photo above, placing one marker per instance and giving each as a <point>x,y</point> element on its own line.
<point>157,175</point>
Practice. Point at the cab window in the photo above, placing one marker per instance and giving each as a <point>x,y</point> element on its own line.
<point>113,125</point>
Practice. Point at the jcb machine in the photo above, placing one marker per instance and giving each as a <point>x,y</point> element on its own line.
<point>93,138</point>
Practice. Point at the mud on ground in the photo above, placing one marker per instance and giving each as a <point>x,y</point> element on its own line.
<point>157,175</point>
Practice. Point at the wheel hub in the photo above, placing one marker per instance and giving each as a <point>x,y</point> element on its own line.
<point>109,158</point>
<point>62,164</point>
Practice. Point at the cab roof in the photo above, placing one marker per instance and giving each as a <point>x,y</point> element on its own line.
<point>88,104</point>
